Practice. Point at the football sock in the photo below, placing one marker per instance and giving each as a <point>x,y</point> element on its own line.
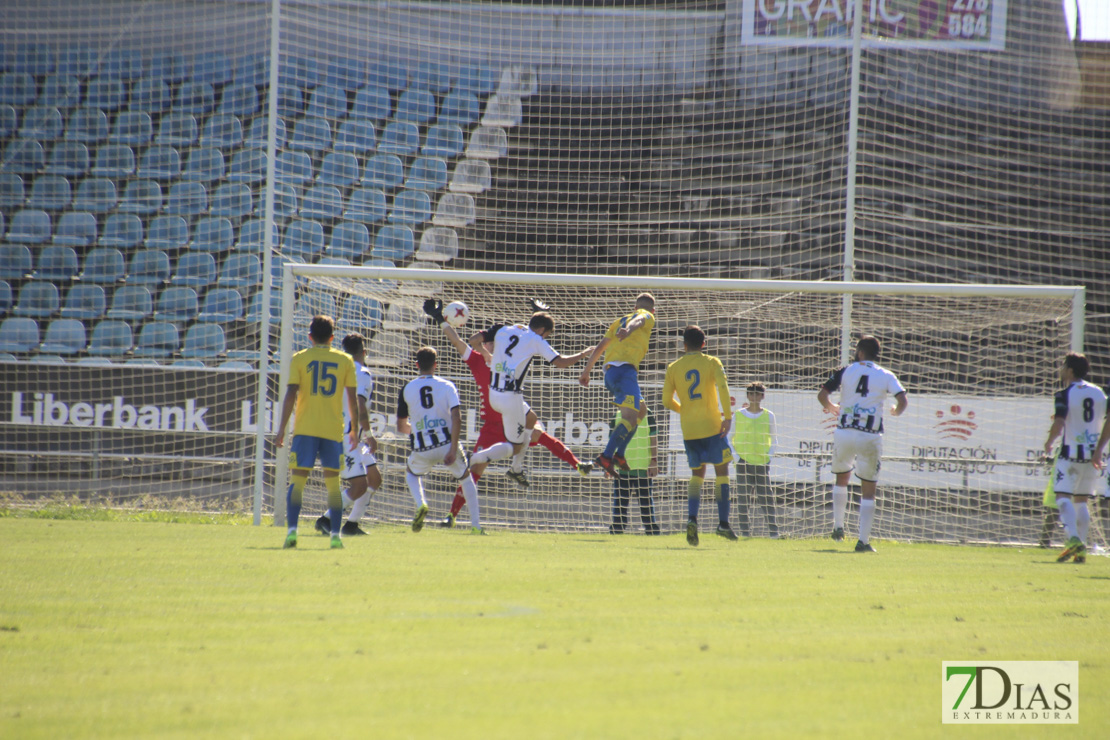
<point>1067,515</point>
<point>416,488</point>
<point>618,440</point>
<point>558,449</point>
<point>840,505</point>
<point>721,491</point>
<point>491,453</point>
<point>358,506</point>
<point>347,502</point>
<point>517,465</point>
<point>335,503</point>
<point>693,496</point>
<point>866,517</point>
<point>471,492</point>
<point>293,498</point>
<point>458,501</point>
<point>1082,520</point>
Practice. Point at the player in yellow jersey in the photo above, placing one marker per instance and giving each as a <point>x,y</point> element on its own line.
<point>624,345</point>
<point>696,389</point>
<point>319,377</point>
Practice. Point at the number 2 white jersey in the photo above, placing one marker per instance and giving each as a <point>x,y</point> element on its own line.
<point>365,389</point>
<point>513,350</point>
<point>864,388</point>
<point>1083,408</point>
<point>426,401</point>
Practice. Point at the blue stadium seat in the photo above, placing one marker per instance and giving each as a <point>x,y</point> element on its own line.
<point>459,107</point>
<point>15,261</point>
<point>19,334</point>
<point>177,303</point>
<point>286,202</point>
<point>345,74</point>
<point>373,103</point>
<point>87,125</point>
<point>303,239</point>
<point>417,105</point>
<point>50,193</point>
<point>36,59</point>
<point>143,197</point>
<point>358,313</point>
<point>132,127</point>
<point>240,99</point>
<point>131,303</point>
<point>251,236</point>
<point>366,205</point>
<point>5,296</point>
<point>314,304</point>
<point>355,136</point>
<point>159,162</point>
<point>221,306</point>
<point>12,193</point>
<point>455,209</point>
<point>431,76</point>
<point>327,102</point>
<point>392,75</point>
<point>252,69</point>
<point>311,135</point>
<point>167,232</point>
<point>399,137</point>
<point>256,135</point>
<point>106,93</point>
<point>214,69</point>
<point>76,229</point>
<point>111,338</point>
<point>150,95</point>
<point>427,173</point>
<point>195,269</point>
<point>384,171</point>
<point>204,341</point>
<point>247,166</point>
<point>212,234</point>
<point>349,240</point>
<point>42,122</point>
<point>294,168</point>
<point>240,271</point>
<point>477,79</point>
<point>170,67</point>
<point>23,157</point>
<point>103,265</point>
<point>232,199</point>
<point>323,202</point>
<point>204,164</point>
<point>340,169</point>
<point>68,158</point>
<point>157,339</point>
<point>79,60</point>
<point>410,208</point>
<point>58,263</point>
<point>196,98</point>
<point>124,63</point>
<point>122,230</point>
<point>148,266</point>
<point>64,337</point>
<point>95,195</point>
<point>290,101</point>
<point>84,301</point>
<point>177,129</point>
<point>9,120</point>
<point>18,89</point>
<point>29,226</point>
<point>222,130</point>
<point>254,308</point>
<point>444,140</point>
<point>62,91</point>
<point>38,299</point>
<point>186,199</point>
<point>301,71</point>
<point>395,243</point>
<point>113,160</point>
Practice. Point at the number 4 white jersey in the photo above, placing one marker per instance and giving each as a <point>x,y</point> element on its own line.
<point>426,401</point>
<point>864,388</point>
<point>1083,408</point>
<point>513,350</point>
<point>364,389</point>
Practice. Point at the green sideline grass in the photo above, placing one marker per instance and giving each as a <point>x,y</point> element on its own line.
<point>157,629</point>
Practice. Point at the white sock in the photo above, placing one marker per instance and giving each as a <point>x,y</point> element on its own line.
<point>1082,520</point>
<point>347,503</point>
<point>494,452</point>
<point>470,492</point>
<point>1067,515</point>
<point>358,506</point>
<point>416,487</point>
<point>840,505</point>
<point>517,465</point>
<point>866,516</point>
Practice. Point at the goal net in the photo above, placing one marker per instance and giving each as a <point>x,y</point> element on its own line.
<point>963,465</point>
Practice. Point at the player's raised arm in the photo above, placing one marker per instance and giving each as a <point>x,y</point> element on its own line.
<point>637,321</point>
<point>565,361</point>
<point>584,378</point>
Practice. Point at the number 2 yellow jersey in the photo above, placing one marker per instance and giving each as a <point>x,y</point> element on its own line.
<point>632,348</point>
<point>695,386</point>
<point>322,374</point>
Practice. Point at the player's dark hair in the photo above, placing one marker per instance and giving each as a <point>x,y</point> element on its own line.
<point>756,387</point>
<point>354,343</point>
<point>1078,363</point>
<point>645,300</point>
<point>541,320</point>
<point>869,347</point>
<point>490,333</point>
<point>426,359</point>
<point>322,329</point>
<point>693,337</point>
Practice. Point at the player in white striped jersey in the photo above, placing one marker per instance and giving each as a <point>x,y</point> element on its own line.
<point>429,411</point>
<point>514,348</point>
<point>858,439</point>
<point>360,466</point>
<point>1079,420</point>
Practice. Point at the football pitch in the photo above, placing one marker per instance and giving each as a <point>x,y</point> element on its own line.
<point>153,629</point>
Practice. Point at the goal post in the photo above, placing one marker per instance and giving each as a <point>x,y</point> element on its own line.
<point>961,466</point>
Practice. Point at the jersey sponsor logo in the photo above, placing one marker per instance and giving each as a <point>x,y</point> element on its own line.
<point>429,423</point>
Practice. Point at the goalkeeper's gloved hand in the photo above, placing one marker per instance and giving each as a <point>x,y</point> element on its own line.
<point>538,305</point>
<point>434,308</point>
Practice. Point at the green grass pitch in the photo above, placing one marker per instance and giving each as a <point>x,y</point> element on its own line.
<point>162,630</point>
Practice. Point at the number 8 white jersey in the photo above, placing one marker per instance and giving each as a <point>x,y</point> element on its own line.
<point>864,388</point>
<point>426,401</point>
<point>1083,408</point>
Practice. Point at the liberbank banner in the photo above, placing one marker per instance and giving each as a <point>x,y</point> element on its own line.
<point>920,24</point>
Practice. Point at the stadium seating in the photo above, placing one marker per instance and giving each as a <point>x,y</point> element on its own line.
<point>290,100</point>
<point>383,171</point>
<point>142,197</point>
<point>204,164</point>
<point>221,306</point>
<point>416,105</point>
<point>286,202</point>
<point>134,128</point>
<point>5,296</point>
<point>69,159</point>
<point>345,74</point>
<point>443,140</point>
<point>50,193</point>
<point>195,98</point>
<point>456,210</point>
<point>111,338</point>
<point>150,94</point>
<point>122,63</point>
<point>366,205</point>
<point>247,166</point>
<point>240,271</point>
<point>427,173</point>
<point>359,313</point>
<point>438,244</point>
<point>103,265</point>
<point>214,69</point>
<point>29,226</point>
<point>24,157</point>
<point>37,299</point>
<point>303,239</point>
<point>195,269</point>
<point>177,129</point>
<point>212,234</point>
<point>233,200</point>
<point>79,60</point>
<point>58,263</point>
<point>76,229</point>
<point>15,261</point>
<point>503,110</point>
<point>410,208</point>
<point>160,162</point>
<point>204,341</point>
<point>122,230</point>
<point>12,193</point>
<point>167,232</point>
<point>18,89</point>
<point>257,133</point>
<point>349,240</point>
<point>394,242</point>
<point>64,337</point>
<point>9,120</point>
<point>106,93</point>
<point>323,202</point>
<point>327,102</point>
<point>355,136</point>
<point>392,75</point>
<point>157,339</point>
<point>487,142</point>
<point>399,137</point>
<point>252,234</point>
<point>471,176</point>
<point>239,99</point>
<point>113,160</point>
<point>95,195</point>
<point>372,103</point>
<point>148,267</point>
<point>294,168</point>
<point>311,134</point>
<point>87,125</point>
<point>42,122</point>
<point>83,301</point>
<point>254,308</point>
<point>19,334</point>
<point>186,199</point>
<point>432,76</point>
<point>177,303</point>
<point>459,107</point>
<point>338,168</point>
<point>169,66</point>
<point>222,130</point>
<point>131,303</point>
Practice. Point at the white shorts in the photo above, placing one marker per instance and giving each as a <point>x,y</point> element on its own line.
<point>514,413</point>
<point>859,451</point>
<point>1075,478</point>
<point>421,462</point>
<point>356,461</point>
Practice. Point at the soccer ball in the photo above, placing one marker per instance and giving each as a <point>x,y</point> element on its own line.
<point>456,313</point>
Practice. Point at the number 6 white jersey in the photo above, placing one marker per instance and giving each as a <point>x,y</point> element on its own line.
<point>864,388</point>
<point>426,401</point>
<point>513,350</point>
<point>1083,408</point>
